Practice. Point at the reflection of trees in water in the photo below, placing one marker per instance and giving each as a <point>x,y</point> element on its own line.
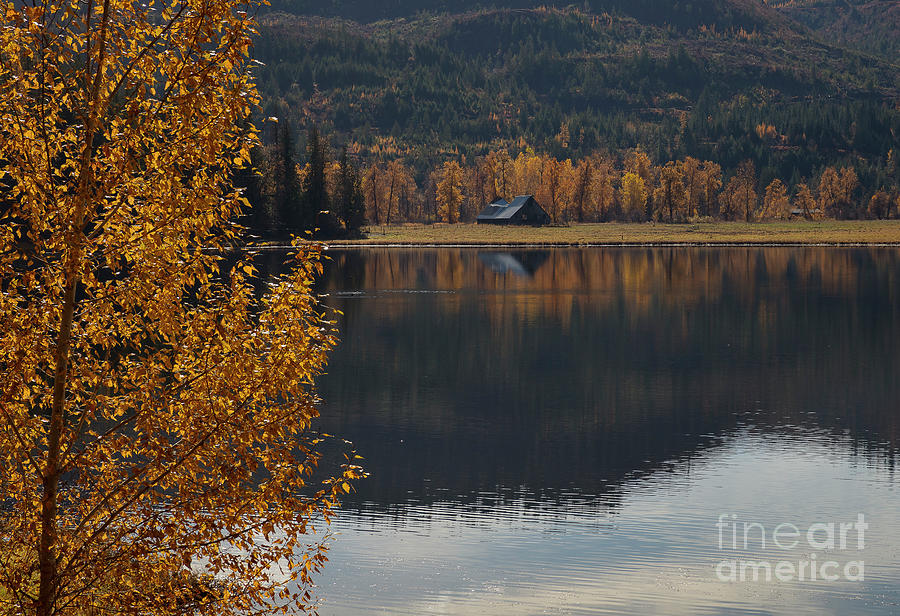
<point>605,363</point>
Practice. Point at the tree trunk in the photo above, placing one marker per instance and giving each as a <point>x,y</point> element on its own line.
<point>390,198</point>
<point>375,194</point>
<point>49,507</point>
<point>47,561</point>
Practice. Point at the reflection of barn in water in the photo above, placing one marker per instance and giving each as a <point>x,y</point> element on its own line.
<point>611,366</point>
<point>521,263</point>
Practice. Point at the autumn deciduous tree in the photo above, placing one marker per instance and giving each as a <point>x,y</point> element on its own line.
<point>581,189</point>
<point>880,205</point>
<point>372,183</point>
<point>776,203</point>
<point>836,188</point>
<point>155,416</point>
<point>806,203</point>
<point>384,186</point>
<point>550,192</point>
<point>692,180</point>
<point>449,191</point>
<point>602,194</point>
<point>670,198</point>
<point>397,178</point>
<point>710,184</point>
<point>479,187</point>
<point>637,162</point>
<point>739,197</point>
<point>501,168</point>
<point>634,195</point>
<point>528,173</point>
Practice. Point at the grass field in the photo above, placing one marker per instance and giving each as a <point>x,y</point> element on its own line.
<point>799,232</point>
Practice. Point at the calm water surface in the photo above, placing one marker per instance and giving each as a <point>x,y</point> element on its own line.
<point>559,431</point>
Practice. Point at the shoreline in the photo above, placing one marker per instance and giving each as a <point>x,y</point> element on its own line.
<point>762,244</point>
<point>821,233</point>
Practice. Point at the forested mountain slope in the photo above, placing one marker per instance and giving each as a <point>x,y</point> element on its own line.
<point>869,25</point>
<point>678,13</point>
<point>733,81</point>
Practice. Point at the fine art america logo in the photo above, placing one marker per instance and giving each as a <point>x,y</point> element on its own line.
<point>843,538</point>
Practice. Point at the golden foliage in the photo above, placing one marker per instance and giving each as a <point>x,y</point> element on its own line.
<point>634,195</point>
<point>637,162</point>
<point>739,199</point>
<point>500,167</point>
<point>670,197</point>
<point>880,205</point>
<point>836,189</point>
<point>776,203</point>
<point>155,413</point>
<point>710,184</point>
<point>449,192</point>
<point>806,203</point>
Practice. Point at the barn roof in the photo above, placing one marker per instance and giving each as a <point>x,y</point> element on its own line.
<point>500,209</point>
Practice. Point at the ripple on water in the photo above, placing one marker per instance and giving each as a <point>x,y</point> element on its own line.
<point>653,552</point>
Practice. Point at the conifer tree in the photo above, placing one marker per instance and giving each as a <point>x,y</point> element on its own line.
<point>314,200</point>
<point>349,201</point>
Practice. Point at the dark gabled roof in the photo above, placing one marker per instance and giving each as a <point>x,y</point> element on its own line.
<point>501,210</point>
<point>493,210</point>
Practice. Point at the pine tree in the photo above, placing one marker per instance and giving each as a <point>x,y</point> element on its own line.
<point>288,207</point>
<point>314,199</point>
<point>349,201</point>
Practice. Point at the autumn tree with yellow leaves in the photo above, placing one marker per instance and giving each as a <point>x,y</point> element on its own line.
<point>500,168</point>
<point>156,453</point>
<point>806,202</point>
<point>670,198</point>
<point>836,189</point>
<point>880,205</point>
<point>634,196</point>
<point>602,194</point>
<point>739,199</point>
<point>776,203</point>
<point>710,184</point>
<point>449,191</point>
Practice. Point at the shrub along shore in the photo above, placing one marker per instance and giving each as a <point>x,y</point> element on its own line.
<point>833,232</point>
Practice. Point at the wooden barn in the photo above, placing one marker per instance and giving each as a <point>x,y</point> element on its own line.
<point>523,210</point>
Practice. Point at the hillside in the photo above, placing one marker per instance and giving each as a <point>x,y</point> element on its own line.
<point>868,25</point>
<point>719,79</point>
<point>683,15</point>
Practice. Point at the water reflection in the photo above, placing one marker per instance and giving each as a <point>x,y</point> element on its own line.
<point>455,379</point>
<point>558,431</point>
<point>522,263</point>
<point>655,554</point>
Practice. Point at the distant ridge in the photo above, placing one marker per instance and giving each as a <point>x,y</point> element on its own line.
<point>723,80</point>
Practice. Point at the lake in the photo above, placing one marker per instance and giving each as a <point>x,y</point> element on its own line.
<point>616,430</point>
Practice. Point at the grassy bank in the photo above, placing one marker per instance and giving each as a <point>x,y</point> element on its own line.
<point>800,232</point>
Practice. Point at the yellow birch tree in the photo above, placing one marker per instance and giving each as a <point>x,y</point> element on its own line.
<point>528,171</point>
<point>449,191</point>
<point>501,165</point>
<point>670,198</point>
<point>581,190</point>
<point>692,178</point>
<point>603,194</point>
<point>806,202</point>
<point>776,203</point>
<point>634,196</point>
<point>710,184</point>
<point>155,415</point>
